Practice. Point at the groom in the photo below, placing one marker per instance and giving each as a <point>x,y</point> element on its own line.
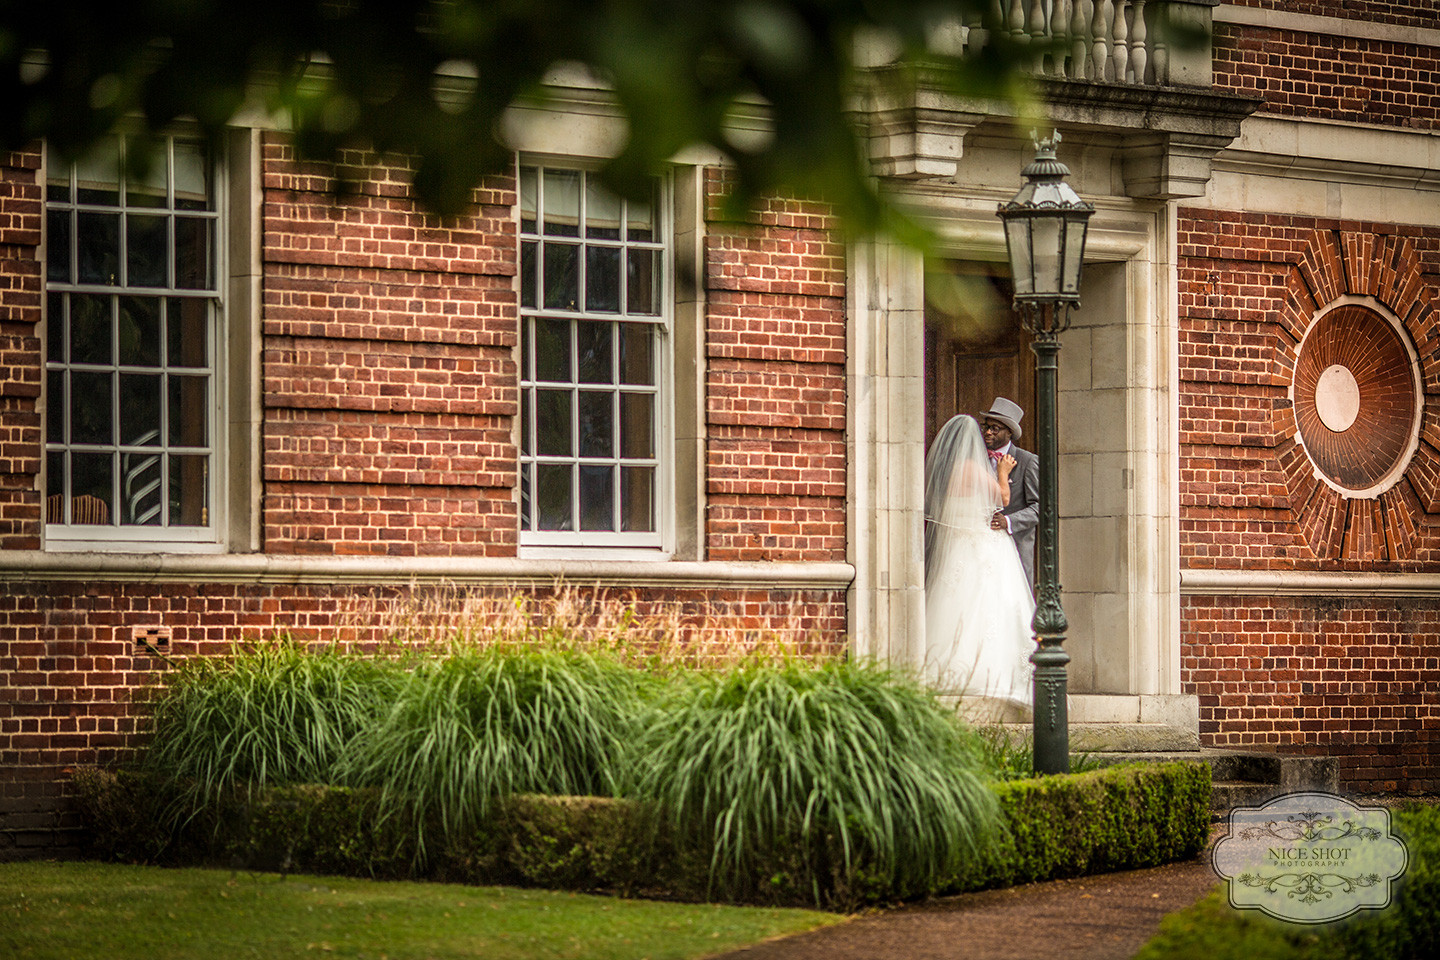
<point>1000,425</point>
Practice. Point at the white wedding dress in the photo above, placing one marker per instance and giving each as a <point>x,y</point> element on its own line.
<point>978,605</point>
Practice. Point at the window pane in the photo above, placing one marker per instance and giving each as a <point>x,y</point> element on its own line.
<point>98,174</point>
<point>189,411</point>
<point>637,499</point>
<point>54,487</point>
<point>602,279</point>
<point>147,188</point>
<point>525,500</point>
<point>98,251</point>
<point>187,327</point>
<point>139,331</point>
<point>91,487</point>
<point>525,428</point>
<point>57,246</point>
<point>597,498</point>
<point>140,409</point>
<point>90,328</point>
<point>552,350</point>
<point>192,253</point>
<point>602,211</point>
<point>55,406</point>
<point>637,426</point>
<point>552,423</point>
<point>527,273</point>
<point>562,203</point>
<point>527,199</point>
<point>145,246</point>
<point>140,489</point>
<point>592,345</point>
<point>91,408</point>
<point>189,490</point>
<point>642,291</point>
<point>640,219</point>
<point>597,424</point>
<point>192,176</point>
<point>55,328</point>
<point>637,357</point>
<point>562,280</point>
<point>552,496</point>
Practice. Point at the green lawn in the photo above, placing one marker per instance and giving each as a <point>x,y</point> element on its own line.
<point>70,910</point>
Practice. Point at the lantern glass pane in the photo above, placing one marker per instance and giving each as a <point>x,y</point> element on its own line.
<point>1045,237</point>
<point>1017,241</point>
<point>1074,255</point>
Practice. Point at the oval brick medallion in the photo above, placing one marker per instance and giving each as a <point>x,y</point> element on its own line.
<point>1356,399</point>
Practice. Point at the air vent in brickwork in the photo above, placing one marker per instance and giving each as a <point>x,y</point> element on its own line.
<point>151,641</point>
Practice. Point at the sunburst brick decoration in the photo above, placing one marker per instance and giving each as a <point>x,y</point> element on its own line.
<point>1362,464</point>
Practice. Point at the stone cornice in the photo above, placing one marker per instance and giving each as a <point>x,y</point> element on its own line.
<point>1307,583</point>
<point>32,566</point>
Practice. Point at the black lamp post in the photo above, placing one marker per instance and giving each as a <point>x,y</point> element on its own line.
<point>1045,228</point>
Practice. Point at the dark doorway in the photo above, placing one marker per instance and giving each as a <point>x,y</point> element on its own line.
<point>975,349</point>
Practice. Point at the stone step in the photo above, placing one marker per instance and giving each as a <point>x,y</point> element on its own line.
<point>1244,779</point>
<point>1116,737</point>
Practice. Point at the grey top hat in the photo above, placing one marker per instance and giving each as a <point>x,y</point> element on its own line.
<point>1007,412</point>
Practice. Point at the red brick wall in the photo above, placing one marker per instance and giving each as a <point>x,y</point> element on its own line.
<point>775,384</point>
<point>1356,679</point>
<point>389,397</point>
<point>20,363</point>
<point>1350,677</point>
<point>1329,77</point>
<point>72,667</point>
<point>1414,13</point>
<point>390,378</point>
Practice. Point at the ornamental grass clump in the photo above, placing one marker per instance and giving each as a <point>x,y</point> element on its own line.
<point>278,712</point>
<point>829,779</point>
<point>480,724</point>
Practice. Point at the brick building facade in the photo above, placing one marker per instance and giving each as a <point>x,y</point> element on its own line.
<point>312,406</point>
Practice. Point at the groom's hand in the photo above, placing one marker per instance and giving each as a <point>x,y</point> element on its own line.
<point>998,522</point>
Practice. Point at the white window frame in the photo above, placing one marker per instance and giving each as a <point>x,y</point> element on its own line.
<point>659,543</point>
<point>114,536</point>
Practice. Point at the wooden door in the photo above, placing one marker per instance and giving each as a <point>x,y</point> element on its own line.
<point>975,349</point>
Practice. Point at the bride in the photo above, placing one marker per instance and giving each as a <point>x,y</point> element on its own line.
<point>977,601</point>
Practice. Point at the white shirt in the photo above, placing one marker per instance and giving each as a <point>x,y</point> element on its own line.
<point>995,469</point>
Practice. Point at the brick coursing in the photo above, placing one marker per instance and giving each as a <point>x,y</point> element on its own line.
<point>389,395</point>
<point>1358,679</point>
<point>1414,13</point>
<point>72,667</point>
<point>389,366</point>
<point>21,213</point>
<point>1325,77</point>
<point>1353,678</point>
<point>775,406</point>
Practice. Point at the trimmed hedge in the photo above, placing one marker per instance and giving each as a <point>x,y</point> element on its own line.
<point>1118,818</point>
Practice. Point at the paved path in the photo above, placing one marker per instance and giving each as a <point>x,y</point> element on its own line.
<point>1103,917</point>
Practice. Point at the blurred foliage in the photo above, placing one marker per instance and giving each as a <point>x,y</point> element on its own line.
<point>434,79</point>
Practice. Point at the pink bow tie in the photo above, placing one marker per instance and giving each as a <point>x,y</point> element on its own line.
<point>995,455</point>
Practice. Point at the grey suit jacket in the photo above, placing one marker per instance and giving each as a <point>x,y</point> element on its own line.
<point>1024,507</point>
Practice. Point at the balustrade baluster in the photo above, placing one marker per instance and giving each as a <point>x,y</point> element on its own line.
<point>1035,30</point>
<point>1060,36</point>
<point>1081,16</point>
<point>1139,42</point>
<point>1120,45</point>
<point>1017,20</point>
<point>1104,18</point>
